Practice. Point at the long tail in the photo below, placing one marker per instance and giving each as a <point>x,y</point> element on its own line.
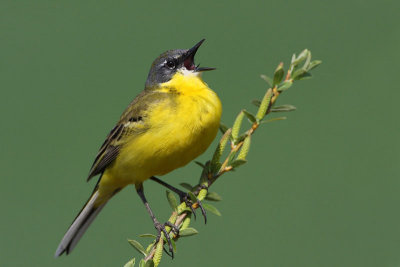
<point>80,225</point>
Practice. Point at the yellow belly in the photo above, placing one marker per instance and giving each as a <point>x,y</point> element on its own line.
<point>180,130</point>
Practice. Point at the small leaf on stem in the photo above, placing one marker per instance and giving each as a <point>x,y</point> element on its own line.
<point>213,196</point>
<point>187,186</point>
<point>274,119</point>
<point>285,85</point>
<point>250,116</point>
<point>222,127</point>
<point>211,209</point>
<point>278,75</point>
<point>314,64</point>
<point>256,102</point>
<point>200,164</point>
<point>148,235</point>
<point>130,263</point>
<point>267,79</point>
<point>308,60</point>
<point>148,263</point>
<point>302,56</point>
<point>304,76</point>
<point>238,163</point>
<point>298,73</point>
<point>188,232</point>
<point>283,108</point>
<point>137,246</point>
<point>172,200</point>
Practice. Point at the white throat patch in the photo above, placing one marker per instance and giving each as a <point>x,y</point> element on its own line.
<point>186,72</point>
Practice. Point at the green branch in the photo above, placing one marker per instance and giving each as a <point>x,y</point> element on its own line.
<point>299,69</point>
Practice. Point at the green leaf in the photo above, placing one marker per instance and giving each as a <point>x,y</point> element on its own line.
<point>308,60</point>
<point>267,79</point>
<point>250,116</point>
<point>314,64</point>
<point>215,167</point>
<point>274,119</point>
<point>137,246</point>
<point>238,163</point>
<point>130,263</point>
<point>222,127</point>
<point>231,157</point>
<point>200,164</point>
<point>212,196</point>
<point>302,56</point>
<point>173,244</point>
<point>283,108</point>
<point>245,148</point>
<point>148,235</point>
<point>204,173</point>
<point>187,186</point>
<point>264,105</point>
<point>188,232</point>
<point>293,59</point>
<point>256,102</point>
<point>172,200</point>
<point>237,124</point>
<point>285,85</point>
<point>298,73</point>
<point>148,263</point>
<point>211,209</point>
<point>306,75</point>
<point>278,75</point>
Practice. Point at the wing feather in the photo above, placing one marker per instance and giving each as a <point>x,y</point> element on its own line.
<point>132,121</point>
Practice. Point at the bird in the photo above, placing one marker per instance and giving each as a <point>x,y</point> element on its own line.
<point>170,123</point>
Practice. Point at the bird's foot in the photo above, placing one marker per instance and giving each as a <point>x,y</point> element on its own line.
<point>174,228</point>
<point>161,228</point>
<point>189,203</point>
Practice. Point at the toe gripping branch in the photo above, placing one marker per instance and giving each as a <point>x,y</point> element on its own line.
<point>189,198</point>
<point>192,202</point>
<point>161,228</point>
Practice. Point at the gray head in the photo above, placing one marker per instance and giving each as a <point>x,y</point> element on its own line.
<point>172,61</point>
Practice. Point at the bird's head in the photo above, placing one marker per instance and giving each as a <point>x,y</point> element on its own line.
<point>173,61</point>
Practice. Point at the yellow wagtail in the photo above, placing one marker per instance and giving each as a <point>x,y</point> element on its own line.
<point>171,122</point>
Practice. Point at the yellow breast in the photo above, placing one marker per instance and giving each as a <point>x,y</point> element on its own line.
<point>181,128</point>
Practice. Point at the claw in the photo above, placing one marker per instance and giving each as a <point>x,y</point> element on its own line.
<point>166,252</point>
<point>203,211</point>
<point>189,203</point>
<point>161,227</point>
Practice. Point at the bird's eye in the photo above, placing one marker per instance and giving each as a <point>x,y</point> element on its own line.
<point>170,64</point>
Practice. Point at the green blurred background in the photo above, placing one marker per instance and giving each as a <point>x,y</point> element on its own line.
<point>320,189</point>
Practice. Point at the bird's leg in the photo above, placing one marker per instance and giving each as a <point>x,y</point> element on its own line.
<point>160,227</point>
<point>184,197</point>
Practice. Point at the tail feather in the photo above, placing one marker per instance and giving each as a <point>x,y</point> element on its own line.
<point>80,225</point>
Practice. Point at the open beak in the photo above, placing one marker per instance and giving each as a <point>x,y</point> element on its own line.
<point>189,59</point>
